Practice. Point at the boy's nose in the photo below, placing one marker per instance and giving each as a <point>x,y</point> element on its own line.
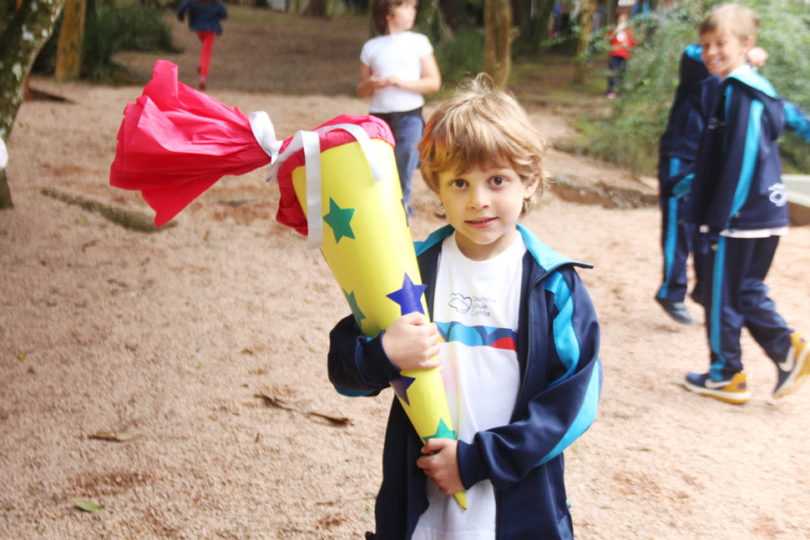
<point>478,198</point>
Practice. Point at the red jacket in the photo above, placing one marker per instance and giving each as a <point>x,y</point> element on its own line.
<point>621,41</point>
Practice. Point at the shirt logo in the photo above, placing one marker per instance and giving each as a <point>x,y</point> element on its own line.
<point>460,303</point>
<point>778,194</point>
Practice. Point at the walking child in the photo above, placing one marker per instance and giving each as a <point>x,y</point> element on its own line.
<point>694,97</point>
<point>203,18</point>
<point>621,41</point>
<point>396,69</point>
<point>740,204</point>
<point>516,334</point>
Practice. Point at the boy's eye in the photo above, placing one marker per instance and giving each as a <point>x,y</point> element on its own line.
<point>498,180</point>
<point>458,183</point>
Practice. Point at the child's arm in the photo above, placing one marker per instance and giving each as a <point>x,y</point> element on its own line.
<point>367,82</point>
<point>797,120</point>
<point>181,9</point>
<point>359,365</point>
<point>429,81</point>
<point>564,403</point>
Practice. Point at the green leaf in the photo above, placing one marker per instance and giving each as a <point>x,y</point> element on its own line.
<point>87,506</point>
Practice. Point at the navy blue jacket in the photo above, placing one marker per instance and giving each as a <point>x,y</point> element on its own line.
<point>203,16</point>
<point>561,377</point>
<point>694,97</point>
<point>738,174</point>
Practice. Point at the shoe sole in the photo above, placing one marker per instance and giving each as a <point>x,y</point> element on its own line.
<point>797,377</point>
<point>735,398</point>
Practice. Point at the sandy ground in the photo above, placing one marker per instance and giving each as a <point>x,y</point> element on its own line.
<point>166,340</point>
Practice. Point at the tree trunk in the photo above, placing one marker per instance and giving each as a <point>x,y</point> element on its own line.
<point>498,41</point>
<point>69,47</point>
<point>587,7</point>
<point>541,23</point>
<point>315,8</point>
<point>20,43</point>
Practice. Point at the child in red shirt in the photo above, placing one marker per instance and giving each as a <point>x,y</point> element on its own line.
<point>621,41</point>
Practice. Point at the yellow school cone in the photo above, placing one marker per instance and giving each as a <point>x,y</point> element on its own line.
<point>368,246</point>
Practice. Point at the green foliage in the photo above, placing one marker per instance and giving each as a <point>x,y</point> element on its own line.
<point>109,29</point>
<point>460,56</point>
<point>629,134</point>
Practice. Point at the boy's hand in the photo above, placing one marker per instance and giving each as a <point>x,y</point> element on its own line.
<point>440,465</point>
<point>412,343</point>
<point>757,56</point>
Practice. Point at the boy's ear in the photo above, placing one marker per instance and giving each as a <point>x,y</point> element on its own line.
<point>531,186</point>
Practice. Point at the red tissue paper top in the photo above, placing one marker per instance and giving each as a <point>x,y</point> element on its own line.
<point>175,142</point>
<point>290,212</point>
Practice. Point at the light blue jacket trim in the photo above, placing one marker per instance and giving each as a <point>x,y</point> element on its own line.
<point>749,157</point>
<point>546,258</point>
<point>755,81</point>
<point>565,338</point>
<point>585,416</point>
<point>695,52</point>
<point>716,369</point>
<point>796,120</point>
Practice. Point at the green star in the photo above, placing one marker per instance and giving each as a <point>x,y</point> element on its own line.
<point>339,219</point>
<point>358,315</point>
<point>442,432</point>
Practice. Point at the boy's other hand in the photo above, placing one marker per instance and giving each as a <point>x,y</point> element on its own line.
<point>412,343</point>
<point>441,465</point>
<point>757,57</point>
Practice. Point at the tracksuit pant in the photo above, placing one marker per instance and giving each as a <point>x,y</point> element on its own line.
<point>737,297</point>
<point>676,235</point>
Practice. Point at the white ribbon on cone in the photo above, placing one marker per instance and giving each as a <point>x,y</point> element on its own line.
<point>310,142</point>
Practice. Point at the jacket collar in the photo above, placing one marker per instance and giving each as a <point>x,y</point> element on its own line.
<point>547,259</point>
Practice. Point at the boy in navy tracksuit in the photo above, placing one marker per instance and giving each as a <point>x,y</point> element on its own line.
<point>516,335</point>
<point>694,97</point>
<point>740,204</point>
<point>677,151</point>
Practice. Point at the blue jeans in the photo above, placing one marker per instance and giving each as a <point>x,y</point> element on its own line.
<point>617,67</point>
<point>407,128</point>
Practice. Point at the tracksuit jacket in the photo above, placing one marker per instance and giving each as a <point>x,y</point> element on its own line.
<point>738,182</point>
<point>561,375</point>
<point>203,16</point>
<point>694,98</point>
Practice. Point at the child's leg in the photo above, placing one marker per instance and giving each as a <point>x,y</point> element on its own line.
<point>407,156</point>
<point>207,39</point>
<point>728,261</point>
<point>767,327</point>
<point>613,67</point>
<point>676,239</point>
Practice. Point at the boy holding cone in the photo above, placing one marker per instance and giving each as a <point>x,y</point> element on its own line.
<point>515,336</point>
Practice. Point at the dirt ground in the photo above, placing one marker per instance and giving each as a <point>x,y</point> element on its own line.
<point>166,341</point>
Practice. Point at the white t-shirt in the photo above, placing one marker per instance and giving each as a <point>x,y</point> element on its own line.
<point>400,55</point>
<point>476,306</point>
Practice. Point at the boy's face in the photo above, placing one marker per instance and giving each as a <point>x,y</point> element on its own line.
<point>483,206</point>
<point>723,52</point>
<point>402,17</point>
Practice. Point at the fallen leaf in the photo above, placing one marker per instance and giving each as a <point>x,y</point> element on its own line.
<point>277,402</point>
<point>87,506</point>
<point>115,436</point>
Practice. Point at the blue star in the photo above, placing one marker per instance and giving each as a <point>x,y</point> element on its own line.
<point>409,297</point>
<point>400,384</point>
<point>358,315</point>
<point>340,220</point>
